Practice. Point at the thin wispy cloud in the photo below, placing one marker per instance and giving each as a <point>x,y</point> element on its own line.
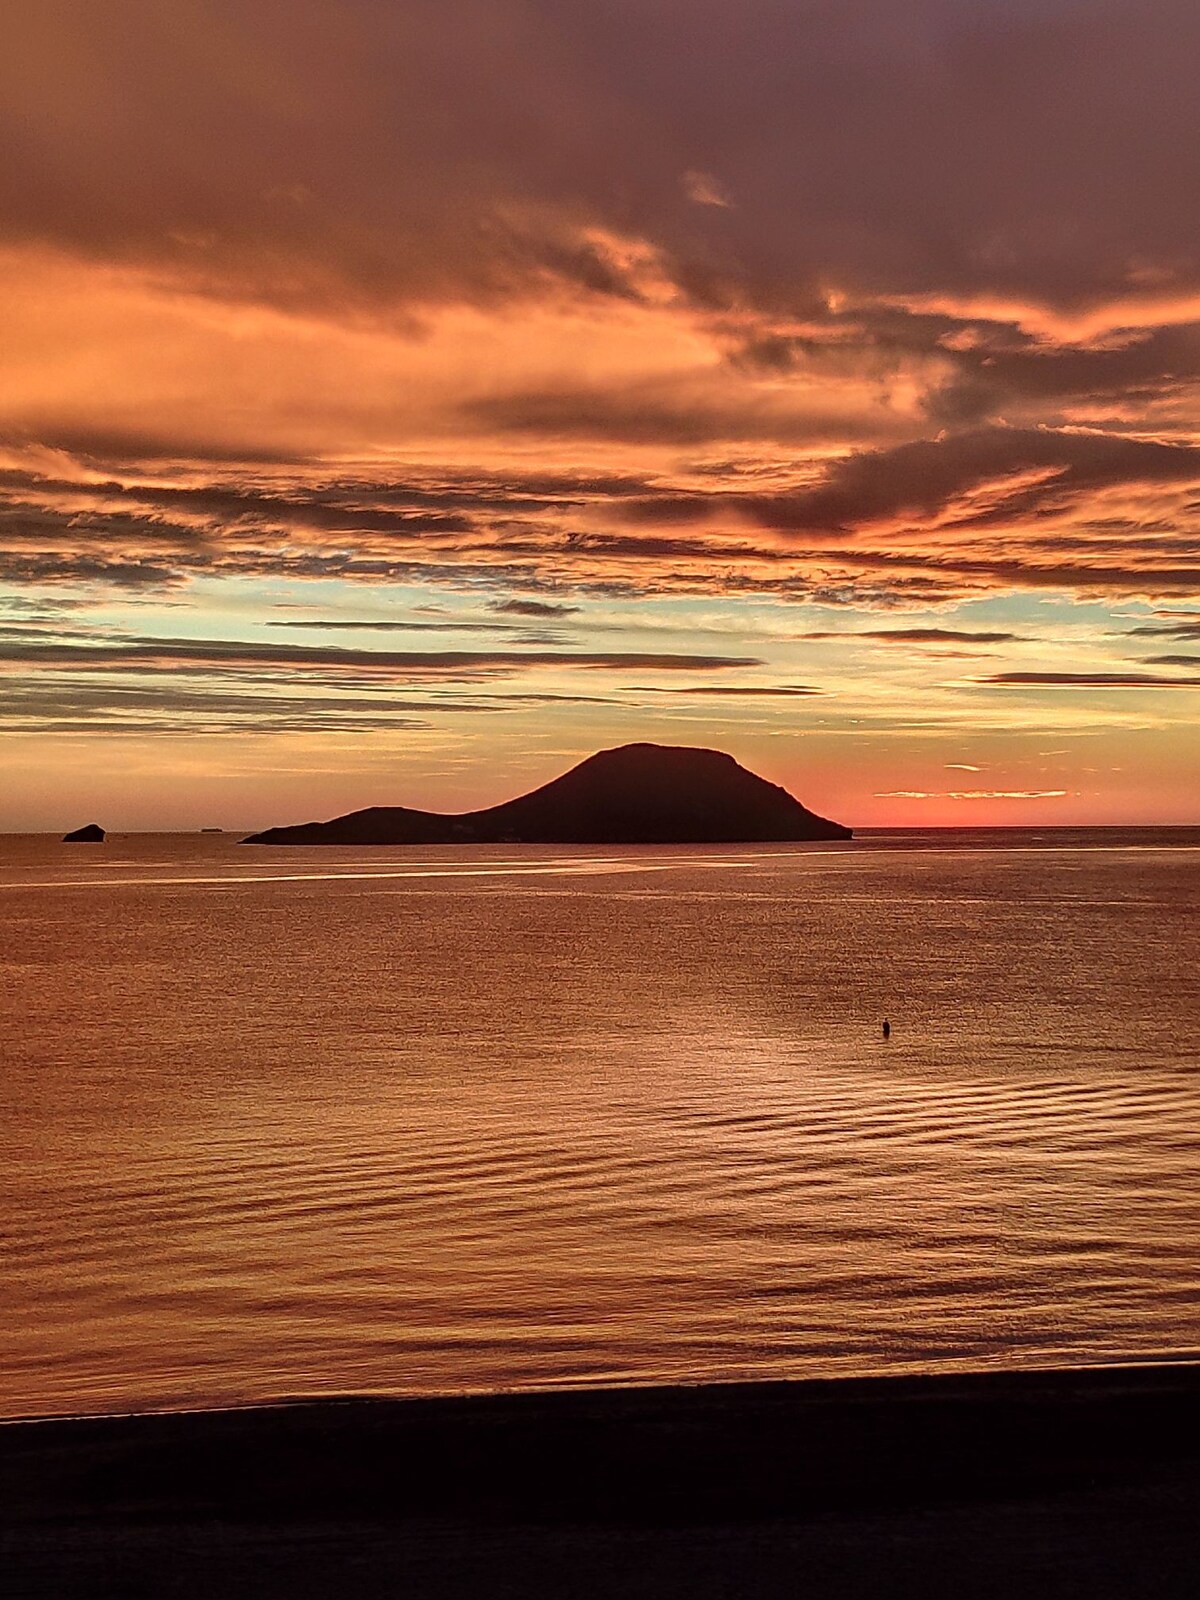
<point>128,654</point>
<point>971,794</point>
<point>1092,680</point>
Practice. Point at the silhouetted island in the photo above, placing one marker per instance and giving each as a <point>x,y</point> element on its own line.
<point>92,834</point>
<point>638,794</point>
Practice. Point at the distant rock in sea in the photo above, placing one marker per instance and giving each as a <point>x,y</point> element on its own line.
<point>92,834</point>
<point>637,794</point>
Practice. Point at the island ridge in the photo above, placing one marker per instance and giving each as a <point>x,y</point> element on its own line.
<point>635,794</point>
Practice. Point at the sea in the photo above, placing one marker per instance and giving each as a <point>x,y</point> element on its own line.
<point>285,1122</point>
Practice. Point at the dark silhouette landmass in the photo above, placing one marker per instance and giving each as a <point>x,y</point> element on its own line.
<point>637,794</point>
<point>1038,1485</point>
<point>92,834</point>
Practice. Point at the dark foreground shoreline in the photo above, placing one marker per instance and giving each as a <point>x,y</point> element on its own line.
<point>1083,1482</point>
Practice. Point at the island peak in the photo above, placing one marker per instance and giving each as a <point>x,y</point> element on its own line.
<point>93,833</point>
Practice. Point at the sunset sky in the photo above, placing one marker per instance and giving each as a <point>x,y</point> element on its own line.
<point>400,399</point>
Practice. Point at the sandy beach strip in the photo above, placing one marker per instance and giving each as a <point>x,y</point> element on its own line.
<point>1036,1483</point>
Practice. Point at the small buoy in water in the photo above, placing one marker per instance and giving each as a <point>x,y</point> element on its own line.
<point>887,1029</point>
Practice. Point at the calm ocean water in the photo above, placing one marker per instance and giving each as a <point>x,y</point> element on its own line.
<point>284,1122</point>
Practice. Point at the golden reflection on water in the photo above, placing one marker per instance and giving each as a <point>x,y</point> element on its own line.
<point>283,1124</point>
